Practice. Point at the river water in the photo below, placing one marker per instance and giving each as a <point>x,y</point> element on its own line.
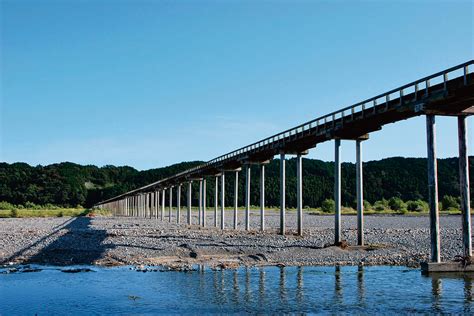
<point>120,290</point>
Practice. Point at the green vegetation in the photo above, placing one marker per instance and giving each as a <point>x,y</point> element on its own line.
<point>33,210</point>
<point>393,184</point>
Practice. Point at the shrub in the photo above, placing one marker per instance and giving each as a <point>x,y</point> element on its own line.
<point>381,205</point>
<point>367,205</point>
<point>6,206</point>
<point>328,206</point>
<point>450,202</point>
<point>417,206</point>
<point>32,206</point>
<point>397,204</point>
<point>60,214</point>
<point>14,213</point>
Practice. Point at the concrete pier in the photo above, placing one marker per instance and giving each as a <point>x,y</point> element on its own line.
<point>222,199</point>
<point>464,186</point>
<point>262,197</point>
<point>200,203</point>
<point>247,197</point>
<point>337,190</point>
<point>189,202</point>
<point>433,187</point>
<point>282,193</point>
<point>178,201</point>
<point>216,199</point>
<point>236,197</point>
<point>163,204</point>
<point>299,193</point>
<point>360,194</point>
<point>170,204</point>
<point>203,222</point>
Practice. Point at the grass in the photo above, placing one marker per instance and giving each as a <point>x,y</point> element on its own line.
<point>60,212</point>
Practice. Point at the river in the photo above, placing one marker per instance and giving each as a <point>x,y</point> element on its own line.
<point>122,290</point>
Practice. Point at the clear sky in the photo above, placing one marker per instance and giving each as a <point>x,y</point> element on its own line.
<point>151,83</point>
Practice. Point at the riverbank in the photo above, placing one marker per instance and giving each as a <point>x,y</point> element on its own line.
<point>109,241</point>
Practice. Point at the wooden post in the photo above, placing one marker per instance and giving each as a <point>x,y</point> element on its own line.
<point>262,197</point>
<point>360,194</point>
<point>464,186</point>
<point>282,194</point>
<point>299,193</point>
<point>433,188</point>
<point>236,198</point>
<point>337,190</point>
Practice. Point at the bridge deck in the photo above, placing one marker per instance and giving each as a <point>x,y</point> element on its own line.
<point>452,97</point>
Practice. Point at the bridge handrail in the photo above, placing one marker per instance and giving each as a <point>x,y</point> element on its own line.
<point>294,130</point>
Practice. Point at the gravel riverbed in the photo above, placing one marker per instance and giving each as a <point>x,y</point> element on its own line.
<point>390,240</point>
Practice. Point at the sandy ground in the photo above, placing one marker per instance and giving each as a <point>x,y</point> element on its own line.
<point>393,240</point>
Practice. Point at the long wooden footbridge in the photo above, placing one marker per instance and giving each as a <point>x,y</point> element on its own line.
<point>447,93</point>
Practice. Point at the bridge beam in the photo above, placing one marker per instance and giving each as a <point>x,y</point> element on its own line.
<point>433,188</point>
<point>464,186</point>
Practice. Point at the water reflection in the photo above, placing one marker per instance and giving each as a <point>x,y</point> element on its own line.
<point>262,290</point>
<point>360,285</point>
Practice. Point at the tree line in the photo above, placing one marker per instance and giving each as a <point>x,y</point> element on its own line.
<point>68,184</point>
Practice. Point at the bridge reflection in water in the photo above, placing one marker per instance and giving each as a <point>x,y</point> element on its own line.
<point>335,289</point>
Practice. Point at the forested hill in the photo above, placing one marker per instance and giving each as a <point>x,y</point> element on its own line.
<point>69,184</point>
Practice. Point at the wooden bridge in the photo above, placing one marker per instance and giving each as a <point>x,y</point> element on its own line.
<point>446,93</point>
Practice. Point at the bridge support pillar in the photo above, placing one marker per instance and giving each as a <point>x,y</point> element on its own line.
<point>170,204</point>
<point>203,221</point>
<point>189,201</point>
<point>282,193</point>
<point>178,201</point>
<point>247,197</point>
<point>433,187</point>
<point>200,203</point>
<point>216,199</point>
<point>222,199</point>
<point>337,190</point>
<point>262,197</point>
<point>299,193</point>
<point>360,193</point>
<point>157,203</point>
<point>163,204</point>
<point>236,197</point>
<point>464,186</point>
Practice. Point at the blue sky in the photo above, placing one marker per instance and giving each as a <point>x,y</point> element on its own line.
<point>151,83</point>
